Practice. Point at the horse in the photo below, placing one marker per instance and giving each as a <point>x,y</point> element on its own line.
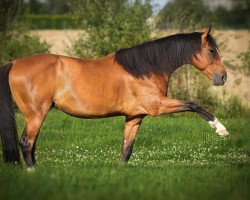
<point>131,82</point>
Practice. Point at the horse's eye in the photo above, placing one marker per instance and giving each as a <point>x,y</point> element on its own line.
<point>211,50</point>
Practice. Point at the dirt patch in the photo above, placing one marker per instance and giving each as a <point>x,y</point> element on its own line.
<point>60,40</point>
<point>232,43</point>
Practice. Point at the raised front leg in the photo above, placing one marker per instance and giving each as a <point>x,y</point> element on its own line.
<point>167,105</point>
<point>131,127</point>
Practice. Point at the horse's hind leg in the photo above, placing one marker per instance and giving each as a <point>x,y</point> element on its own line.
<point>33,123</point>
<point>28,140</point>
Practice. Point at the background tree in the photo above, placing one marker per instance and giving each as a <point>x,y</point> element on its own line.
<point>14,35</point>
<point>47,7</point>
<point>9,9</point>
<point>184,14</point>
<point>236,17</point>
<point>34,6</point>
<point>110,25</point>
<point>196,14</point>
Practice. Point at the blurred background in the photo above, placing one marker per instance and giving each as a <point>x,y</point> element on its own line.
<point>95,28</point>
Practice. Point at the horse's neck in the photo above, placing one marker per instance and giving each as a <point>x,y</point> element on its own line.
<point>172,67</point>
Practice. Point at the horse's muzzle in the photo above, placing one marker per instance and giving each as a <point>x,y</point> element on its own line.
<point>219,79</point>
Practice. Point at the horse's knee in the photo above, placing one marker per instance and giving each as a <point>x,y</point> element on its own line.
<point>154,109</point>
<point>165,105</point>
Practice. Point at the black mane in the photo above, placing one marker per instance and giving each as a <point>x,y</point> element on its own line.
<point>161,56</point>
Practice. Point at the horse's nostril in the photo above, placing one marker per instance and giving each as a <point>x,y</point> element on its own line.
<point>224,78</point>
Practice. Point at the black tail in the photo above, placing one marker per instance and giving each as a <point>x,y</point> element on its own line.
<point>8,129</point>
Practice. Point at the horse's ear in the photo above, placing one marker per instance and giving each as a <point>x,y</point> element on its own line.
<point>204,35</point>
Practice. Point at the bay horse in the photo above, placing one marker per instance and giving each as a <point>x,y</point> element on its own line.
<point>130,82</point>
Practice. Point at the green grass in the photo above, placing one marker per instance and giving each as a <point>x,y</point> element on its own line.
<point>176,157</point>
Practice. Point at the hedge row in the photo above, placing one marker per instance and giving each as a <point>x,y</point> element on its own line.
<point>51,21</point>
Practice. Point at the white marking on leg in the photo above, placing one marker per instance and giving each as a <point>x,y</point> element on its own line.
<point>220,129</point>
<point>125,141</point>
<point>30,169</point>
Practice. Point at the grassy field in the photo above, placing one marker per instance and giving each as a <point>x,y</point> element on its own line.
<point>175,157</point>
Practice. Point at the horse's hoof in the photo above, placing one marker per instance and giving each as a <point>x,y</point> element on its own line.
<point>223,133</point>
<point>30,169</point>
<point>123,163</point>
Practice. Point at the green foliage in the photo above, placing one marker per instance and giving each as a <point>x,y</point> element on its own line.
<point>34,6</point>
<point>194,14</point>
<point>236,17</point>
<point>182,14</point>
<point>9,9</point>
<point>233,107</point>
<point>16,41</point>
<point>245,59</point>
<point>51,21</point>
<point>22,45</point>
<point>173,158</point>
<point>51,7</point>
<point>117,24</point>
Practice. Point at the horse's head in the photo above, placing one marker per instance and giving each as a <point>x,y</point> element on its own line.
<point>208,59</point>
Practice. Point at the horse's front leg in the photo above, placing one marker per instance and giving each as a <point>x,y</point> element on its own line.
<point>132,125</point>
<point>167,105</point>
